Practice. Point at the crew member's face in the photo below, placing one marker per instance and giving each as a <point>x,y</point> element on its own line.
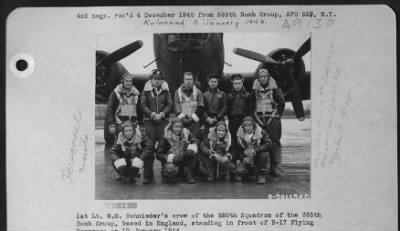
<point>128,132</point>
<point>248,128</point>
<point>128,83</point>
<point>213,83</point>
<point>177,128</point>
<point>156,81</point>
<point>142,130</point>
<point>188,80</point>
<point>237,84</point>
<point>221,133</point>
<point>263,77</point>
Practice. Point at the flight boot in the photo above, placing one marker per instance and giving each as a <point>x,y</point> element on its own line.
<point>276,170</point>
<point>189,177</point>
<point>120,178</point>
<point>275,159</point>
<point>122,173</point>
<point>232,177</point>
<point>261,177</point>
<point>210,178</point>
<point>148,175</point>
<point>130,180</point>
<point>147,180</point>
<point>240,171</point>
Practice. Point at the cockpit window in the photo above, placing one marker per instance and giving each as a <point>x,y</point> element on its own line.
<point>186,41</point>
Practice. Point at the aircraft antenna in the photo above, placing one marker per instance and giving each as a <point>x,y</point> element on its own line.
<point>145,66</point>
<point>228,64</point>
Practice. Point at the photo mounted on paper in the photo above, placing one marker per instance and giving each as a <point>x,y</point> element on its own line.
<point>203,116</point>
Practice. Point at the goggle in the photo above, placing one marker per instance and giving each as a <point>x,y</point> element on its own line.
<point>263,71</point>
<point>247,123</point>
<point>221,128</point>
<point>127,76</point>
<point>156,73</point>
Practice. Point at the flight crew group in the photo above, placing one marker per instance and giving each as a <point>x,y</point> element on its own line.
<point>240,136</point>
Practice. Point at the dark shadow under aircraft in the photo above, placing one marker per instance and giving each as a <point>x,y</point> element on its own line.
<point>203,54</point>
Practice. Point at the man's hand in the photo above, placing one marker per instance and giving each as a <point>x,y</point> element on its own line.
<point>211,121</point>
<point>195,118</point>
<point>181,116</point>
<point>229,156</point>
<point>192,147</point>
<point>248,160</point>
<point>121,162</point>
<point>225,159</point>
<point>117,120</point>
<point>249,152</point>
<point>112,128</point>
<point>170,158</point>
<point>157,117</point>
<point>137,162</point>
<point>216,157</point>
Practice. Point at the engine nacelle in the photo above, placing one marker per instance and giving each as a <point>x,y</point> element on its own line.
<point>281,75</point>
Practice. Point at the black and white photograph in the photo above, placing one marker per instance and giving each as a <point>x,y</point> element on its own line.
<point>202,116</point>
<point>213,117</point>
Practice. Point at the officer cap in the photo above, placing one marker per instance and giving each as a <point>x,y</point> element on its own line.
<point>212,76</point>
<point>236,76</point>
<point>127,76</point>
<point>156,72</point>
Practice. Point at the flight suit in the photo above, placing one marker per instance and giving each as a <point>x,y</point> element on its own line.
<point>154,101</point>
<point>215,106</point>
<point>254,150</point>
<point>239,106</point>
<point>189,104</point>
<point>270,104</point>
<point>220,163</point>
<point>182,147</point>
<point>122,106</point>
<point>124,151</point>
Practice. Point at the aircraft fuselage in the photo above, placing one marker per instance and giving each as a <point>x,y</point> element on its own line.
<point>200,53</point>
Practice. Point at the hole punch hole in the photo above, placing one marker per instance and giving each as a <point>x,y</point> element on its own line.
<point>22,65</point>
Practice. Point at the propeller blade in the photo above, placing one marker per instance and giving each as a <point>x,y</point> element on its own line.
<point>255,56</point>
<point>303,49</point>
<point>295,96</point>
<point>297,104</point>
<point>121,53</point>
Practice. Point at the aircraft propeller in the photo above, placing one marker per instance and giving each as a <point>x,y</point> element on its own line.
<point>303,49</point>
<point>120,53</point>
<point>254,56</point>
<point>108,71</point>
<point>282,70</point>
